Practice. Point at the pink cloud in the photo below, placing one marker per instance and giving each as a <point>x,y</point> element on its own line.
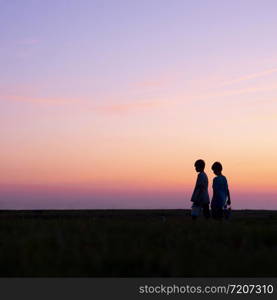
<point>251,76</point>
<point>133,106</point>
<point>46,100</point>
<point>151,83</point>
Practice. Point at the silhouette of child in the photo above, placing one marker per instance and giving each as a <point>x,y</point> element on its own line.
<point>200,195</point>
<point>221,194</point>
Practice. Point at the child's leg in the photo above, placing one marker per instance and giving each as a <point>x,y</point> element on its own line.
<point>195,209</point>
<point>206,210</point>
<point>225,212</point>
<point>215,212</point>
<point>218,213</point>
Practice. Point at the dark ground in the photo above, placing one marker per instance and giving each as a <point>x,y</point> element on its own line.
<point>136,243</point>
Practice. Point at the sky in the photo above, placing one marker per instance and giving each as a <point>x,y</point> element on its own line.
<point>108,103</point>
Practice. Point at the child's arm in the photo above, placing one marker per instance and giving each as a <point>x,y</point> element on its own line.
<point>200,188</point>
<point>201,184</point>
<point>195,194</point>
<point>228,197</point>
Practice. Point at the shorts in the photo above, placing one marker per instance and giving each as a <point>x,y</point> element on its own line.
<point>196,210</point>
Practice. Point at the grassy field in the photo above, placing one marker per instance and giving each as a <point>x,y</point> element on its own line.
<point>136,243</point>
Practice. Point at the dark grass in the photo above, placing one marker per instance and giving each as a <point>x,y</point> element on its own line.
<point>136,243</point>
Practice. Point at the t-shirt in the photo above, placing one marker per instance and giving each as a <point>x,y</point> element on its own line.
<point>200,194</point>
<point>220,191</point>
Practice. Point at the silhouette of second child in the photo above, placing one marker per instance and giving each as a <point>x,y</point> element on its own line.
<point>221,195</point>
<point>200,195</point>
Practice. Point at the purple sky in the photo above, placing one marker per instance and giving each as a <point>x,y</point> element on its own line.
<point>109,103</point>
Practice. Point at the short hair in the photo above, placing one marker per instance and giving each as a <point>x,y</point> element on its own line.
<point>200,163</point>
<point>217,166</point>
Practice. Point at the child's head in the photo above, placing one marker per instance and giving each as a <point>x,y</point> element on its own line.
<point>217,168</point>
<point>199,165</point>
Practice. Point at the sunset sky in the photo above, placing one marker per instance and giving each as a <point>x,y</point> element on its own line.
<point>108,103</point>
